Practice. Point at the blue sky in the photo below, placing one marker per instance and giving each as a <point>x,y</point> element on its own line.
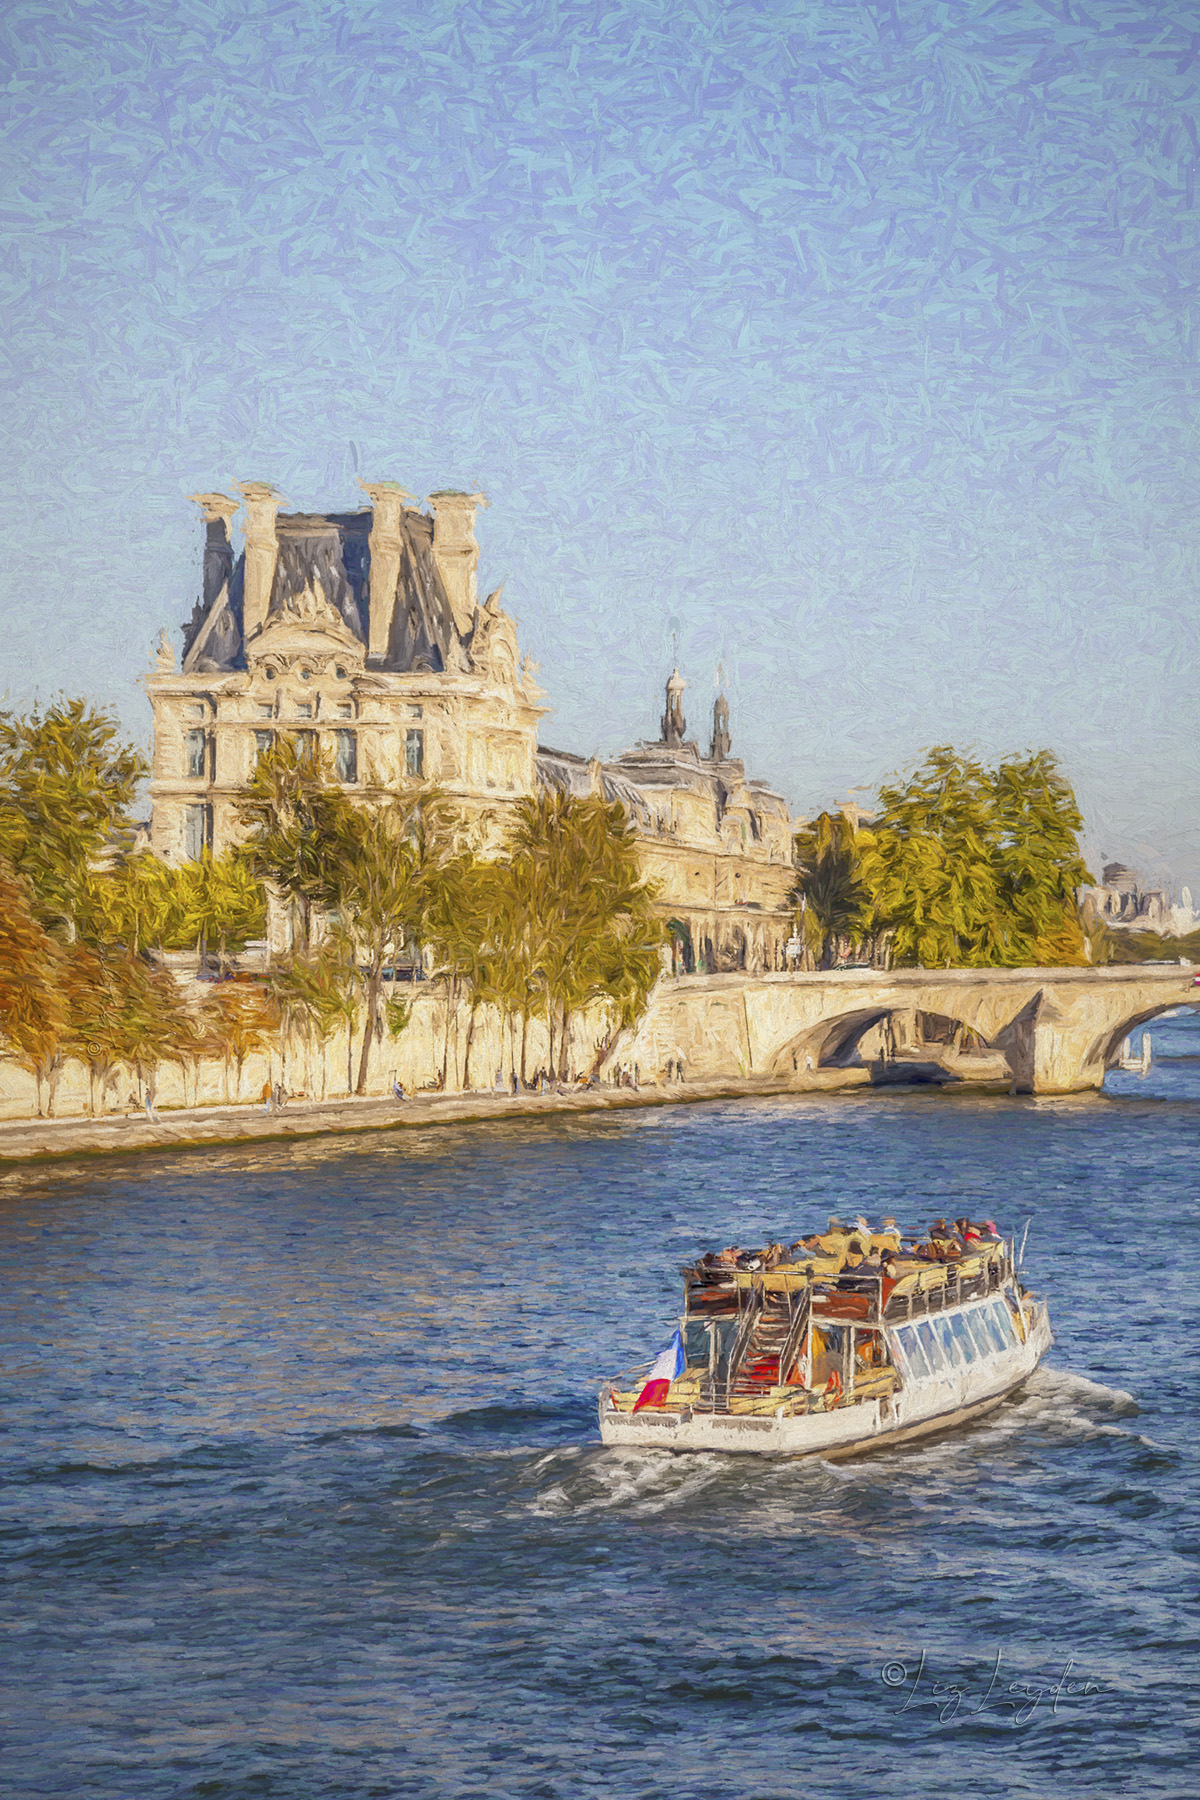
<point>855,345</point>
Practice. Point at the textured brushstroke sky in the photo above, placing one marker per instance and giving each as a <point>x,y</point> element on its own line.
<point>855,344</point>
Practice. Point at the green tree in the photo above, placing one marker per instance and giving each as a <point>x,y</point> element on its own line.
<point>971,867</point>
<point>587,927</point>
<point>299,823</point>
<point>833,901</point>
<point>215,900</point>
<point>462,928</point>
<point>386,866</point>
<point>222,902</point>
<point>66,781</point>
<point>316,994</point>
<point>137,902</point>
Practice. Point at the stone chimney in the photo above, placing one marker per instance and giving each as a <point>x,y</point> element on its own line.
<point>673,722</point>
<point>262,548</point>
<point>218,509</point>
<point>457,554</point>
<point>387,547</point>
<point>722,743</point>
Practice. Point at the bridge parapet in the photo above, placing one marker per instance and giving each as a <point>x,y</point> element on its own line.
<point>1045,1031</point>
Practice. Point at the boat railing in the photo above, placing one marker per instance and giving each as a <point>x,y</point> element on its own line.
<point>935,1288</point>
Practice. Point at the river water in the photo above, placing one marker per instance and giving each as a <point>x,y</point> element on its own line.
<point>303,1495</point>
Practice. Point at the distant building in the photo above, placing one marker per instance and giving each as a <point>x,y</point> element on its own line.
<point>717,844</point>
<point>1122,905</point>
<point>363,633</point>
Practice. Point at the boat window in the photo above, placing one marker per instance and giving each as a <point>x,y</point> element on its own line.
<point>976,1326</point>
<point>946,1340</point>
<point>1004,1322</point>
<point>964,1342</point>
<point>929,1344</point>
<point>695,1341</point>
<point>911,1345</point>
<point>989,1323</point>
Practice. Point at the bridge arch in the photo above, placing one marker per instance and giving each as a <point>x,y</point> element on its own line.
<point>1107,1048</point>
<point>831,1042</point>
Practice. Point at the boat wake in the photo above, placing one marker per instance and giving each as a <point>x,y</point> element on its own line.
<point>640,1482</point>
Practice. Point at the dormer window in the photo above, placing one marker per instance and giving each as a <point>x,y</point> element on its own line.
<point>270,674</point>
<point>195,752</point>
<point>306,674</point>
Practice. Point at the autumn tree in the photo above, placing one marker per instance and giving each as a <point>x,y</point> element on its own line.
<point>298,822</point>
<point>975,867</point>
<point>33,1006</point>
<point>66,780</point>
<point>588,930</point>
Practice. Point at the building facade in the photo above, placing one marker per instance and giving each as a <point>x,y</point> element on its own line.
<point>716,845</point>
<point>363,632</point>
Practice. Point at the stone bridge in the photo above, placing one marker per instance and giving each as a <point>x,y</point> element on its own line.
<point>1041,1031</point>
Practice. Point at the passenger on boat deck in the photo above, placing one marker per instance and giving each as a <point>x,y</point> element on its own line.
<point>886,1239</point>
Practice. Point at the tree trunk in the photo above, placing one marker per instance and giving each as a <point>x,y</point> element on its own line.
<point>524,1041</point>
<point>374,981</point>
<point>564,1047</point>
<point>451,1010</point>
<point>466,1076</point>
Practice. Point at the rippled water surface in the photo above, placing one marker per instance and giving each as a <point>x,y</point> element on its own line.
<point>303,1494</point>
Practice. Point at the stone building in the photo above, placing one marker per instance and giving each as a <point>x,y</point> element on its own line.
<point>717,845</point>
<point>1122,904</point>
<point>363,632</point>
<point>360,631</point>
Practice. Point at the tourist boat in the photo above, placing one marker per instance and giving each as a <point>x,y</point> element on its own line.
<point>796,1353</point>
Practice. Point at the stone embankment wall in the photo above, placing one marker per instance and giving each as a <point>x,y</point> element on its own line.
<point>415,1059</point>
<point>1039,1030</point>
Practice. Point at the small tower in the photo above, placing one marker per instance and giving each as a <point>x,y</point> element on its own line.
<point>673,722</point>
<point>722,743</point>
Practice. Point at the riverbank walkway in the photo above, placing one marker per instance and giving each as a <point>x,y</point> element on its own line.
<point>28,1140</point>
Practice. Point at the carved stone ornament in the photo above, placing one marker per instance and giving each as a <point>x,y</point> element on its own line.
<point>494,642</point>
<point>313,605</point>
<point>164,653</point>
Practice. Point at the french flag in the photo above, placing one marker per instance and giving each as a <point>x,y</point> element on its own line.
<point>669,1366</point>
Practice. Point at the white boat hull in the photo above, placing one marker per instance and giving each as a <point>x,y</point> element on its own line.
<point>918,1408</point>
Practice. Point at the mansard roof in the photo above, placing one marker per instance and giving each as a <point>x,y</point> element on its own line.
<point>572,774</point>
<point>327,555</point>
